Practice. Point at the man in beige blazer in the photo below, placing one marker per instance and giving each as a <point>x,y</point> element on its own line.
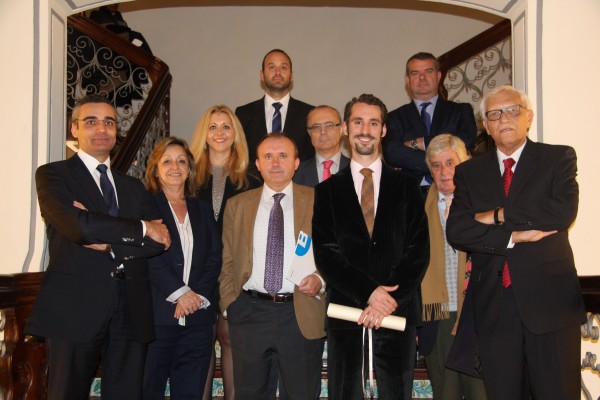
<point>281,327</point>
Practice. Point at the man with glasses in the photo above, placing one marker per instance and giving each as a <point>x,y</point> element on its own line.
<point>512,210</point>
<point>412,126</point>
<point>95,301</point>
<point>324,126</point>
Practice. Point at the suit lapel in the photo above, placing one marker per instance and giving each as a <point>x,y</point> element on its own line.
<point>169,220</point>
<point>347,191</point>
<point>300,209</point>
<point>250,208</point>
<point>260,122</point>
<point>525,168</point>
<point>438,113</point>
<point>417,122</point>
<point>85,180</point>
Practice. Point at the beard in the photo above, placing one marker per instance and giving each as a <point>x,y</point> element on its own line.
<point>277,87</point>
<point>364,149</point>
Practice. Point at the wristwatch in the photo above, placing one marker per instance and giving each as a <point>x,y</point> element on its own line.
<point>414,144</point>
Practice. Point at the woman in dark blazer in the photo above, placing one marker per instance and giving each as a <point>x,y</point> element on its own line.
<point>183,278</point>
<point>221,153</point>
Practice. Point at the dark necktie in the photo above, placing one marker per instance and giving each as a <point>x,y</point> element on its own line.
<point>108,191</point>
<point>327,169</point>
<point>274,258</point>
<point>506,181</point>
<point>425,117</point>
<point>276,126</point>
<point>367,199</point>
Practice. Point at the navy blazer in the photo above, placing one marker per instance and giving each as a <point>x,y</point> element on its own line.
<point>166,270</point>
<point>78,291</point>
<point>307,174</point>
<point>252,117</point>
<point>544,195</point>
<point>405,124</point>
<point>354,264</point>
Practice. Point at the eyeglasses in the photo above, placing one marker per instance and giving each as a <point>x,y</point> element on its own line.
<point>511,111</point>
<point>327,126</point>
<point>94,122</point>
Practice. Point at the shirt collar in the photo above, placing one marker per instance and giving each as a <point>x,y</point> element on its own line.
<point>515,155</point>
<point>336,158</point>
<point>90,162</point>
<point>432,100</point>
<point>268,192</point>
<point>285,100</point>
<point>375,167</point>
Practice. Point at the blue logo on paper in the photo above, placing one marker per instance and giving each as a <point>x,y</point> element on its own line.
<point>303,246</point>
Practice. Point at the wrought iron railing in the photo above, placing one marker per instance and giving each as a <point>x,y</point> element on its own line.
<point>138,84</point>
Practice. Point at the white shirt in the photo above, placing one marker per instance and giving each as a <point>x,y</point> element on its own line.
<point>270,110</point>
<point>261,229</point>
<point>335,167</point>
<point>358,178</point>
<point>91,164</point>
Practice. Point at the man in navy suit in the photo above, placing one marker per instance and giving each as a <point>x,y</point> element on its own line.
<point>95,301</point>
<point>324,126</point>
<point>412,126</point>
<point>512,210</point>
<point>371,244</point>
<point>277,111</point>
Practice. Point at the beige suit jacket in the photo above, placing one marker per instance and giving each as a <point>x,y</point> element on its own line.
<point>238,238</point>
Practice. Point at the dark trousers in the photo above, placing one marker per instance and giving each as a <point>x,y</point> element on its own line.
<point>264,334</point>
<point>72,366</point>
<point>550,361</point>
<point>394,355</point>
<point>181,353</point>
<point>448,384</point>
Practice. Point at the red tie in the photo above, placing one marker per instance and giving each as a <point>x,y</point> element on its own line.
<point>506,181</point>
<point>326,169</point>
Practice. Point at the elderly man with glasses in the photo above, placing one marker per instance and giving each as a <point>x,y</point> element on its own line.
<point>512,210</point>
<point>324,126</point>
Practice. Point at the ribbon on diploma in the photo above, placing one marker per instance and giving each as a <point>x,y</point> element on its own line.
<point>353,314</point>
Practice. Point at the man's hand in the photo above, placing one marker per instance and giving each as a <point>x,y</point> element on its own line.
<point>102,247</point>
<point>371,318</point>
<point>310,285</point>
<point>487,217</point>
<point>158,232</point>
<point>530,236</point>
<point>382,301</point>
<point>187,304</point>
<point>420,143</point>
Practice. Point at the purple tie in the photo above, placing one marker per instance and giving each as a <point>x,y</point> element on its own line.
<point>274,259</point>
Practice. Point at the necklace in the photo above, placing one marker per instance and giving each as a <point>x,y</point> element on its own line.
<point>176,201</point>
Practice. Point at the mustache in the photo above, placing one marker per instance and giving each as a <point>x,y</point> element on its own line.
<point>365,136</point>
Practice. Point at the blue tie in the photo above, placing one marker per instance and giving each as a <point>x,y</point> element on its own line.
<point>425,117</point>
<point>108,191</point>
<point>276,127</point>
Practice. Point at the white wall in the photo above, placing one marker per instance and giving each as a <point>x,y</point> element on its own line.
<point>571,88</point>
<point>215,52</point>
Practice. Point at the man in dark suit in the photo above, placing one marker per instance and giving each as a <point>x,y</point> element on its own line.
<point>412,126</point>
<point>95,301</point>
<point>277,111</point>
<point>371,245</point>
<point>324,126</point>
<point>271,326</point>
<point>512,210</point>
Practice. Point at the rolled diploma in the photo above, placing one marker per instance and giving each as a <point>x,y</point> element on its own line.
<point>352,314</point>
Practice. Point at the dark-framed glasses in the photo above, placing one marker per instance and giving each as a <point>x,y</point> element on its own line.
<point>511,111</point>
<point>94,122</point>
<point>326,126</point>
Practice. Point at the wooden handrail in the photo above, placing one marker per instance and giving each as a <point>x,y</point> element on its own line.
<point>158,72</point>
<point>471,47</point>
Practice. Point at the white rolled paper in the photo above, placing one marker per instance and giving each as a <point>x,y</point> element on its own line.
<point>352,314</point>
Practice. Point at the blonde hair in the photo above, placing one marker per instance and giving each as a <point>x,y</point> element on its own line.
<point>237,165</point>
<point>152,182</point>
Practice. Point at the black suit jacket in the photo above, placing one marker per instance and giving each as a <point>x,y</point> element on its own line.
<point>77,292</point>
<point>354,264</point>
<point>543,195</point>
<point>307,174</point>
<point>405,124</point>
<point>166,269</point>
<point>252,117</point>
